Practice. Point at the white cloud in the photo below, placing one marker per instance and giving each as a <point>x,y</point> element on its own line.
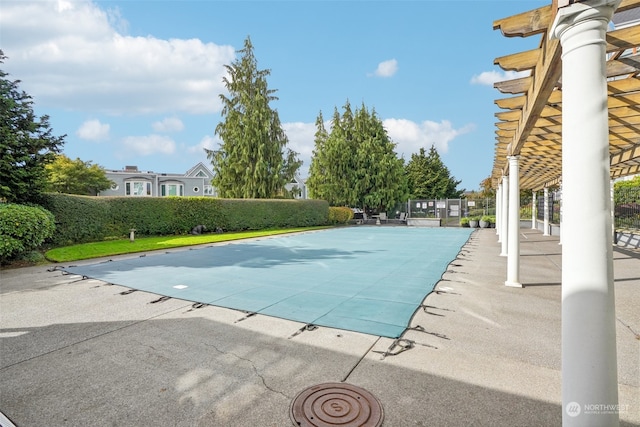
<point>302,141</point>
<point>168,124</point>
<point>73,54</point>
<point>488,78</point>
<point>64,5</point>
<point>208,142</point>
<point>93,130</point>
<point>408,135</point>
<point>301,137</point>
<point>150,144</point>
<point>411,136</point>
<point>387,68</point>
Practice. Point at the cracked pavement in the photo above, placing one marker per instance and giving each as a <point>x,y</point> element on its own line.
<point>81,353</point>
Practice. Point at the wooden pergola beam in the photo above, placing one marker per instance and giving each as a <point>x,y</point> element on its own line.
<point>518,61</point>
<point>525,24</point>
<point>548,71</point>
<point>514,86</point>
<point>530,123</point>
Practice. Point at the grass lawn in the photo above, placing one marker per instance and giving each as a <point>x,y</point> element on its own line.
<point>124,246</point>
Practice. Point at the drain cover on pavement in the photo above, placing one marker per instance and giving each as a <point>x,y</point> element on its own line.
<point>336,404</point>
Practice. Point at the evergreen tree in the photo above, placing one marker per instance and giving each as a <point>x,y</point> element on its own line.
<point>429,178</point>
<point>355,164</point>
<point>380,179</point>
<point>318,182</point>
<point>332,165</point>
<point>26,144</point>
<point>253,160</point>
<point>76,177</point>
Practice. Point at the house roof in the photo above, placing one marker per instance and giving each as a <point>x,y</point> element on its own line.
<point>530,121</point>
<point>199,166</point>
<point>191,173</point>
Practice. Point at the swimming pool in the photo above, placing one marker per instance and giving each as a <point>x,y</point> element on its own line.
<point>364,279</point>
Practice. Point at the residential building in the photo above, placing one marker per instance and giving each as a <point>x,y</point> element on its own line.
<point>131,181</point>
<point>298,184</point>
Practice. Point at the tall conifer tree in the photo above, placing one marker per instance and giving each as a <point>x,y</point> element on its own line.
<point>27,144</point>
<point>355,164</point>
<point>429,178</point>
<point>253,160</point>
<point>381,181</point>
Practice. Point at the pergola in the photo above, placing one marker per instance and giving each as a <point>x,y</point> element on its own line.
<point>530,124</point>
<point>573,121</point>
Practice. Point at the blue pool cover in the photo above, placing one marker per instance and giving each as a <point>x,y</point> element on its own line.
<point>363,279</point>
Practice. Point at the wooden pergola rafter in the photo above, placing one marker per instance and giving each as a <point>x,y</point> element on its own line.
<point>530,120</point>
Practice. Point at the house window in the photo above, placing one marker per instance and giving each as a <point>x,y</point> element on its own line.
<point>196,190</point>
<point>137,188</point>
<point>114,186</point>
<point>208,190</point>
<point>201,174</point>
<point>172,190</point>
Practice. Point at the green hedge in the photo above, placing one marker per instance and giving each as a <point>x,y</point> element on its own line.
<point>23,229</point>
<point>78,218</point>
<point>82,219</point>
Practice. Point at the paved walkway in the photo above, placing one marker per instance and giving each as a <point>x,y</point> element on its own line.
<point>80,353</point>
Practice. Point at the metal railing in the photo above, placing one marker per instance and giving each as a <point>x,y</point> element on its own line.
<point>554,207</point>
<point>450,210</point>
<point>627,208</point>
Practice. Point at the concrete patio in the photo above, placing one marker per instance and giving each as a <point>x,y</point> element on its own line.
<point>80,353</point>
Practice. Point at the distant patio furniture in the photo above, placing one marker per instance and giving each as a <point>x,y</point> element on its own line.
<point>383,217</point>
<point>403,217</point>
<point>361,218</point>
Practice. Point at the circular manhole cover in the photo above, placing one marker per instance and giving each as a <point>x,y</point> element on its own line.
<point>336,404</point>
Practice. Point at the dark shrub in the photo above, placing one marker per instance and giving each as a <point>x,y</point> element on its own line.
<point>23,229</point>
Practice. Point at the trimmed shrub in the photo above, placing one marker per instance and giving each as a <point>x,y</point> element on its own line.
<point>82,219</point>
<point>23,229</point>
<point>79,219</point>
<point>340,215</point>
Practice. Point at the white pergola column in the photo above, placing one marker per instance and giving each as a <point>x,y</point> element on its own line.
<point>589,366</point>
<point>513,247</point>
<point>613,213</point>
<point>534,209</point>
<point>498,211</point>
<point>504,209</point>
<point>545,226</point>
<point>561,203</point>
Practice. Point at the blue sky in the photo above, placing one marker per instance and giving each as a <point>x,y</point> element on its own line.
<point>138,82</point>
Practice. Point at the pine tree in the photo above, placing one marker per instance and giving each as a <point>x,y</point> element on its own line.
<point>429,178</point>
<point>26,144</point>
<point>253,160</point>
